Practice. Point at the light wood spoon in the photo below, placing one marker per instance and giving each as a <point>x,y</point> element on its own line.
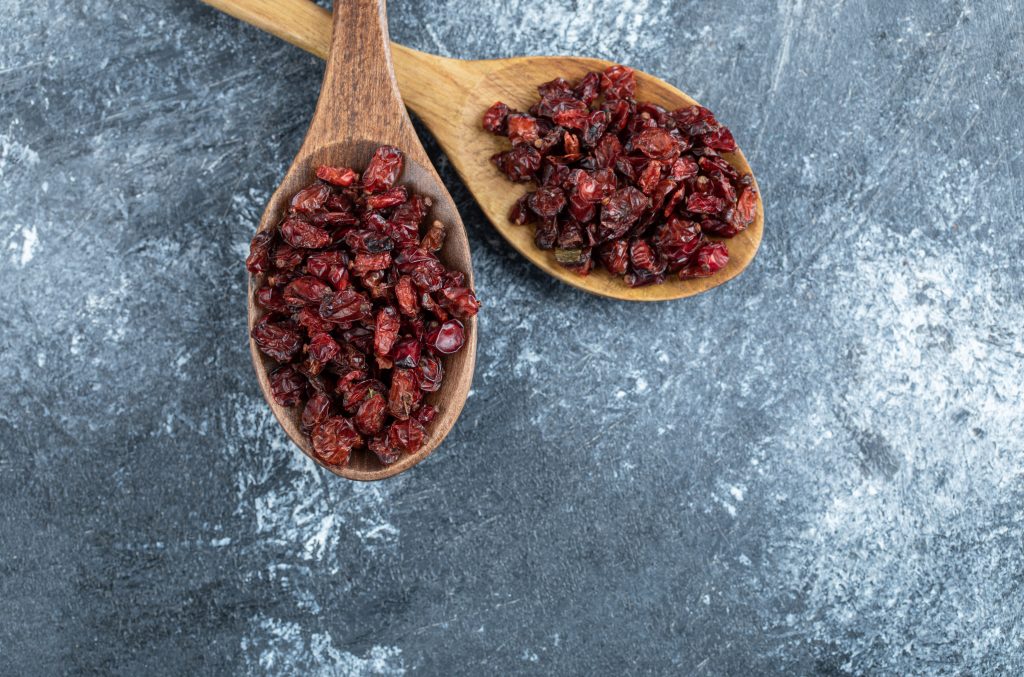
<point>359,110</point>
<point>450,97</point>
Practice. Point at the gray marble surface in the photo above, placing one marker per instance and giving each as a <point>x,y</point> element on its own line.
<point>816,469</point>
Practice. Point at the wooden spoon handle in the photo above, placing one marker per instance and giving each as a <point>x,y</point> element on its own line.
<point>359,97</point>
<point>303,23</point>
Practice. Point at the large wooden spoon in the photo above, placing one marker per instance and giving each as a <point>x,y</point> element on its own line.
<point>359,110</point>
<point>451,95</point>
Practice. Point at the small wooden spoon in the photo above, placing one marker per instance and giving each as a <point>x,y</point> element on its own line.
<point>359,110</point>
<point>451,95</point>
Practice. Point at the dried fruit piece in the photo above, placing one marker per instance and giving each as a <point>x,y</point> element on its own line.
<point>383,170</point>
<point>259,252</point>
<point>336,176</point>
<point>275,340</point>
<point>447,338</point>
<point>303,234</point>
<point>404,395</point>
<point>287,385</point>
<point>334,439</point>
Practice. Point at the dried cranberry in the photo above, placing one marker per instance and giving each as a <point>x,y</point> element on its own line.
<point>259,252</point>
<point>316,411</point>
<point>618,82</point>
<point>656,143</point>
<point>372,413</point>
<point>522,128</point>
<point>383,170</point>
<point>520,163</point>
<point>620,212</point>
<point>405,294</point>
<point>429,373</point>
<point>365,262</point>
<point>379,446</point>
<point>426,414</point>
<point>322,347</point>
<point>336,176</point>
<point>677,240</point>
<point>404,395</point>
<point>546,202</point>
<point>271,298</point>
<point>495,119</point>
<point>388,199</point>
<point>334,439</point>
<point>460,302</point>
<point>406,353</point>
<point>303,234</point>
<point>287,385</point>
<point>711,258</point>
<point>614,256</point>
<point>310,199</point>
<point>447,338</point>
<point>276,340</point>
<point>345,306</point>
<point>386,330</point>
<point>434,239</point>
<point>406,435</point>
<point>305,291</point>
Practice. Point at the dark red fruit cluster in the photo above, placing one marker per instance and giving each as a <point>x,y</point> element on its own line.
<point>635,186</point>
<point>359,310</point>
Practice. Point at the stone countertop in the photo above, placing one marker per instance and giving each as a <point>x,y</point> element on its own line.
<point>817,468</point>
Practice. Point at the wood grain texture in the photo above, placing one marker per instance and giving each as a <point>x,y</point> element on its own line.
<point>450,96</point>
<point>358,110</point>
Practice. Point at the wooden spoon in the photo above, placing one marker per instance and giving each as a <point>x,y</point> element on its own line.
<point>451,95</point>
<point>359,110</point>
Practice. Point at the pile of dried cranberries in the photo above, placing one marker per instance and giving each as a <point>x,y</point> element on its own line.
<point>360,310</point>
<point>634,185</point>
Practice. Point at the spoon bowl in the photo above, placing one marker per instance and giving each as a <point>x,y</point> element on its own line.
<point>450,97</point>
<point>341,135</point>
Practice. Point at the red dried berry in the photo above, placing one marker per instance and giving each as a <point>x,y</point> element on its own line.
<point>345,306</point>
<point>276,340</point>
<point>271,298</point>
<point>656,143</point>
<point>405,393</point>
<point>618,82</point>
<point>383,170</point>
<point>372,413</point>
<point>310,199</point>
<point>287,385</point>
<point>434,239</point>
<point>385,330</point>
<point>460,302</point>
<point>322,347</point>
<point>495,118</point>
<point>390,198</point>
<point>406,435</point>
<point>334,439</point>
<point>305,291</point>
<point>426,414</point>
<point>429,373</point>
<point>447,338</point>
<point>336,176</point>
<point>259,252</point>
<point>711,258</point>
<point>316,411</point>
<point>406,353</point>
<point>303,234</point>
